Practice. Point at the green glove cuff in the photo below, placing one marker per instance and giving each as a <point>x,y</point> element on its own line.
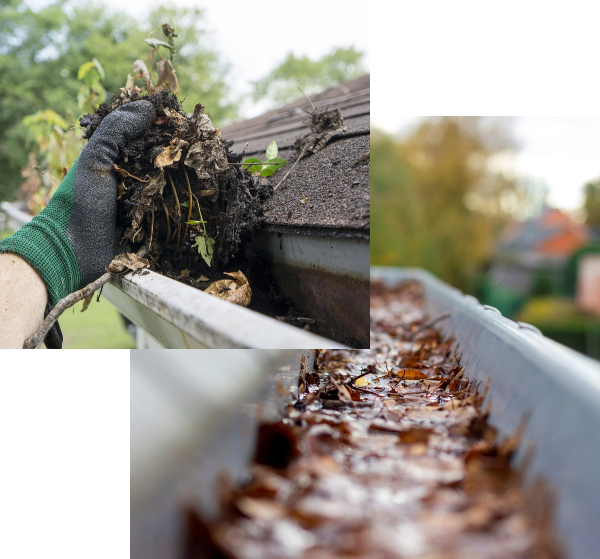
<point>44,245</point>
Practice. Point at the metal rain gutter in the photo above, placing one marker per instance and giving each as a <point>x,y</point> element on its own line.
<point>325,275</point>
<point>191,422</point>
<point>177,316</point>
<point>180,316</point>
<point>553,388</point>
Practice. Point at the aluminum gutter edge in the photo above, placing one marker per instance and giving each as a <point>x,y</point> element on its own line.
<point>179,316</point>
<point>327,278</point>
<point>14,211</point>
<point>193,420</point>
<point>555,389</point>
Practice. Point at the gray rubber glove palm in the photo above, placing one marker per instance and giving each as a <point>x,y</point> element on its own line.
<point>74,238</point>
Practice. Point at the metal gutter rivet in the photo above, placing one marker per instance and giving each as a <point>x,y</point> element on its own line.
<point>490,308</point>
<point>530,327</point>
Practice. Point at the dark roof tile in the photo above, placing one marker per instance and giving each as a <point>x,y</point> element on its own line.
<point>336,193</point>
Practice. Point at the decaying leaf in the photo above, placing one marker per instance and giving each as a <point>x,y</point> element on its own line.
<point>127,262</point>
<point>202,121</point>
<point>235,291</point>
<point>411,374</point>
<point>167,75</point>
<point>207,157</point>
<point>87,301</point>
<point>323,124</point>
<point>121,189</point>
<point>155,185</point>
<point>139,67</point>
<point>415,435</point>
<point>170,156</point>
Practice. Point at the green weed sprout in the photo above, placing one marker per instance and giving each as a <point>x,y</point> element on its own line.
<point>268,167</point>
<point>204,243</point>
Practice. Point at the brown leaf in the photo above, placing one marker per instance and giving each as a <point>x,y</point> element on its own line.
<point>87,301</point>
<point>167,75</point>
<point>207,158</point>
<point>259,509</point>
<point>170,156</point>
<point>155,185</point>
<point>121,189</point>
<point>125,262</point>
<point>415,435</point>
<point>235,291</point>
<point>411,374</point>
<point>139,67</point>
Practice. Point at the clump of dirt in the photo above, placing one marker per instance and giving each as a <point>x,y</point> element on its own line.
<point>186,196</point>
<point>183,170</point>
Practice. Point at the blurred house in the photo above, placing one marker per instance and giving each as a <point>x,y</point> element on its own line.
<point>530,255</point>
<point>588,284</point>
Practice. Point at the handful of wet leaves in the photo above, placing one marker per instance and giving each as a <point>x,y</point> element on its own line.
<point>382,453</point>
<point>185,195</point>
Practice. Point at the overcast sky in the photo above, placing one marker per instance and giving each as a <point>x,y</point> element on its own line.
<point>256,36</point>
<point>562,152</point>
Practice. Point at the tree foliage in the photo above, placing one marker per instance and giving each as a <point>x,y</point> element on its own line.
<point>436,202</point>
<point>312,76</point>
<point>592,203</point>
<point>41,52</point>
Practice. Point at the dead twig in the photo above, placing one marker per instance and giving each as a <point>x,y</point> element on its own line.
<point>151,231</point>
<point>178,208</point>
<point>35,340</point>
<point>430,324</point>
<point>308,99</point>
<point>187,180</point>
<point>295,163</point>
<point>168,220</point>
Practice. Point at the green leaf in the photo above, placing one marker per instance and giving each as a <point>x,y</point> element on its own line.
<point>256,164</point>
<point>272,150</point>
<point>266,172</point>
<point>84,69</point>
<point>185,204</point>
<point>276,162</point>
<point>205,248</point>
<point>99,68</point>
<point>194,222</point>
<point>155,43</point>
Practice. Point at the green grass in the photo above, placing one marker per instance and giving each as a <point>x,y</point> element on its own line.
<point>100,327</point>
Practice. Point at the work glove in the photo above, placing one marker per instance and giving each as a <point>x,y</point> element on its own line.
<point>74,238</point>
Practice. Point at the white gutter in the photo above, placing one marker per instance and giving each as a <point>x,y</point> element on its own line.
<point>177,316</point>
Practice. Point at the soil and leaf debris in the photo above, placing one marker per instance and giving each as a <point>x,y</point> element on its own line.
<point>194,203</point>
<point>383,453</point>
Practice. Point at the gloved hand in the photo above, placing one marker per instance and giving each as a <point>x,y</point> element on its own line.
<point>73,239</point>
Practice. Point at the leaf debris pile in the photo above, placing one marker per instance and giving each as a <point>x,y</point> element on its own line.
<point>384,453</point>
<point>185,195</point>
<point>178,182</point>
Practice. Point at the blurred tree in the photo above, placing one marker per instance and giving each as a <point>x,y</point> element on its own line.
<point>437,200</point>
<point>592,203</point>
<point>41,52</point>
<point>281,84</point>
